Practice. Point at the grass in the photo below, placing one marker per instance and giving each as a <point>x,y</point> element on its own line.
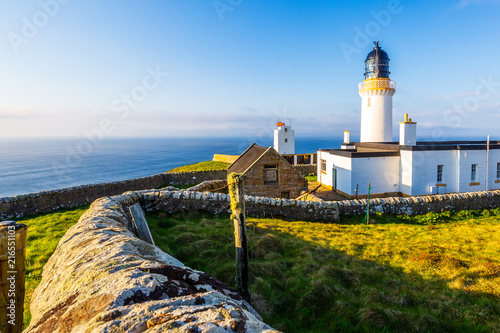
<point>431,273</point>
<point>202,166</point>
<point>44,233</point>
<point>311,178</point>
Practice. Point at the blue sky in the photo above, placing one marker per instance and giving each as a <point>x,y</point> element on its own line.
<point>114,68</point>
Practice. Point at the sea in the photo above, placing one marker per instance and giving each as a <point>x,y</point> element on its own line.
<point>34,165</point>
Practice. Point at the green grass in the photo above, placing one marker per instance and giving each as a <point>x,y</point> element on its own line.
<point>44,233</point>
<point>311,178</point>
<point>202,166</point>
<point>432,273</point>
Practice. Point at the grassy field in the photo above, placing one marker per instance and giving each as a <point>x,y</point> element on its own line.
<point>44,233</point>
<point>202,166</point>
<point>432,273</point>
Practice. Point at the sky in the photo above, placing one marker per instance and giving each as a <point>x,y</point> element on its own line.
<point>225,68</point>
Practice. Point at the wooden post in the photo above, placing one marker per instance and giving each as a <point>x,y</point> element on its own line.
<point>12,274</point>
<point>237,195</point>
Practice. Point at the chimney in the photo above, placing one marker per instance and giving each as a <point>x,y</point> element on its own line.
<point>408,132</point>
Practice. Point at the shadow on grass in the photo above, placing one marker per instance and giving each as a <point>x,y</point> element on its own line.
<point>298,286</point>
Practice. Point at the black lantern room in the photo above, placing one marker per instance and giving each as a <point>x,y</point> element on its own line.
<point>377,64</point>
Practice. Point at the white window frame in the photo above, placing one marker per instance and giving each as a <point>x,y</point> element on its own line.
<point>473,173</point>
<point>440,172</point>
<point>323,165</point>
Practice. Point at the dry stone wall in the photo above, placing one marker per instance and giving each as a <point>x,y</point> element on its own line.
<point>172,200</point>
<point>102,278</point>
<point>49,201</point>
<point>211,186</point>
<point>305,170</point>
<point>423,204</point>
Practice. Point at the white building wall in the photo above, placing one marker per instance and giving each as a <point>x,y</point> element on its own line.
<point>413,173</point>
<point>424,175</point>
<point>343,166</point>
<point>381,172</point>
<point>284,140</point>
<point>493,181</point>
<point>406,172</point>
<point>469,157</point>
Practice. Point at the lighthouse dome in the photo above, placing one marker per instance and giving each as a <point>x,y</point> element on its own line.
<point>377,64</point>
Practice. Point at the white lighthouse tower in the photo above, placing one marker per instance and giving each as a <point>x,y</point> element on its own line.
<point>284,139</point>
<point>376,93</point>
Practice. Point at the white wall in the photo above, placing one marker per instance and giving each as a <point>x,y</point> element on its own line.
<point>343,166</point>
<point>494,159</point>
<point>424,165</point>
<point>406,172</point>
<point>456,173</point>
<point>413,173</point>
<point>381,172</point>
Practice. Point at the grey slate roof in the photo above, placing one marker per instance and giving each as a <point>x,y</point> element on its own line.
<point>252,154</point>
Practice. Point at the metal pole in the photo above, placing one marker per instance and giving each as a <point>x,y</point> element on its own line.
<point>367,217</point>
<point>237,195</point>
<point>487,164</point>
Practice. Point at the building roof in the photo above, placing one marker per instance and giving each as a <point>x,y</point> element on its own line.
<point>249,156</point>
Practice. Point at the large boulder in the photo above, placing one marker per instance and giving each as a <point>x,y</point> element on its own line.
<point>102,278</point>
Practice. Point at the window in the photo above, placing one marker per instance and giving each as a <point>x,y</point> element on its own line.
<point>286,140</point>
<point>498,170</point>
<point>473,173</point>
<point>323,165</point>
<point>440,173</point>
<point>286,129</point>
<point>270,174</point>
<point>369,101</point>
<point>285,195</point>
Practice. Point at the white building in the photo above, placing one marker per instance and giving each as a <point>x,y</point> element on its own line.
<point>407,167</point>
<point>284,139</point>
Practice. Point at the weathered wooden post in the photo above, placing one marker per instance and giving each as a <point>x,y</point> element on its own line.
<point>12,274</point>
<point>237,195</point>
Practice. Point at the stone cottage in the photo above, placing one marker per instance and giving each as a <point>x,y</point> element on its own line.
<point>268,174</point>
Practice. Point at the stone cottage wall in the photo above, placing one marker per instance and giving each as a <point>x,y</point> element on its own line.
<point>102,278</point>
<point>289,180</point>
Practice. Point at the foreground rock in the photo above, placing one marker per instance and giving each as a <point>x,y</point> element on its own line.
<point>102,278</point>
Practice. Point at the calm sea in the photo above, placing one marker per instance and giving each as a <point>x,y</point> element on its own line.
<point>33,165</point>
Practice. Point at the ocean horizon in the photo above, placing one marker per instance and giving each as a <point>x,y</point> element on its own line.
<point>34,165</point>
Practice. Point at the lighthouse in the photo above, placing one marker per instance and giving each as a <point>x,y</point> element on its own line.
<point>376,93</point>
<point>284,139</point>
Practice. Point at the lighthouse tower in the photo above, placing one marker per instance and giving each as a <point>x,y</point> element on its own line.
<point>376,93</point>
<point>284,139</point>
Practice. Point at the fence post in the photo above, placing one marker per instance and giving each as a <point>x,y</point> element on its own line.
<point>237,195</point>
<point>12,274</point>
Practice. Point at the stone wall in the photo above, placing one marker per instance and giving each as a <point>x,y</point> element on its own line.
<point>305,170</point>
<point>102,278</point>
<point>219,186</point>
<point>423,204</point>
<point>172,201</point>
<point>48,201</point>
